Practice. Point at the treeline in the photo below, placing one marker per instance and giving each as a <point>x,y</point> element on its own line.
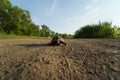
<point>100,30</point>
<point>46,32</point>
<point>17,21</point>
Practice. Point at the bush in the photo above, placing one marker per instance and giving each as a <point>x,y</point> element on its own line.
<point>101,30</point>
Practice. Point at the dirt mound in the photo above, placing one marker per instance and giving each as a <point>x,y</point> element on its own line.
<point>81,59</point>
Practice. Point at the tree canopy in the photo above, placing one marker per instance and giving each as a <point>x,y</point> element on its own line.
<point>15,20</point>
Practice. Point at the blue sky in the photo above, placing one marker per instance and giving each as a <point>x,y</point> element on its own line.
<point>66,16</point>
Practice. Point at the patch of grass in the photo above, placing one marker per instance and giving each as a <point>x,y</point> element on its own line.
<point>13,36</point>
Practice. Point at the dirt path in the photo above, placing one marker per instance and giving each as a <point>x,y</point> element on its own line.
<point>81,59</point>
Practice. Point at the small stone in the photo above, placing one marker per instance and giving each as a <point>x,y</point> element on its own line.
<point>72,49</point>
<point>115,68</point>
<point>104,67</point>
<point>116,59</point>
<point>0,45</point>
<point>115,52</point>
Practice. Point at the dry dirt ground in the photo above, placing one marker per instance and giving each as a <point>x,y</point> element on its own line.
<point>81,59</point>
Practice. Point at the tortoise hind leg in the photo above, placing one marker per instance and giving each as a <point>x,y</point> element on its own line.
<point>63,43</point>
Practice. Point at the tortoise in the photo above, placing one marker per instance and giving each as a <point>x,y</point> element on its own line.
<point>58,40</point>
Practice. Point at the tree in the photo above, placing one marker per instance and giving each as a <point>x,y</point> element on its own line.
<point>46,32</point>
<point>67,36</point>
<point>5,5</point>
<point>15,20</point>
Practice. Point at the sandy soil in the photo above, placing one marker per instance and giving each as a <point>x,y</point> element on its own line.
<point>81,59</point>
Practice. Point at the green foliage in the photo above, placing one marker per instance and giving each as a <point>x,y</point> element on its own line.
<point>118,31</point>
<point>13,36</point>
<point>46,31</point>
<point>101,30</point>
<point>67,36</point>
<point>15,20</point>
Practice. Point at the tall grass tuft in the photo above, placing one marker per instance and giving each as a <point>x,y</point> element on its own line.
<point>13,36</point>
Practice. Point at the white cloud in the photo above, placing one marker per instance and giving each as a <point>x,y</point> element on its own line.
<point>89,6</point>
<point>53,7</point>
<point>95,12</point>
<point>95,0</point>
<point>93,9</point>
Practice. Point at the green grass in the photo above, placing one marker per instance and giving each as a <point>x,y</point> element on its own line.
<point>13,36</point>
